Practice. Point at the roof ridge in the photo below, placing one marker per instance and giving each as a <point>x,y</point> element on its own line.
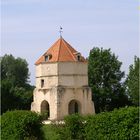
<point>51,46</point>
<point>66,44</point>
<point>59,49</point>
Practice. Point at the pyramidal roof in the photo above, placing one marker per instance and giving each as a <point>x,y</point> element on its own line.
<point>61,51</point>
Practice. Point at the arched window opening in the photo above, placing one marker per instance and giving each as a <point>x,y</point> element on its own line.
<point>45,107</point>
<point>73,107</point>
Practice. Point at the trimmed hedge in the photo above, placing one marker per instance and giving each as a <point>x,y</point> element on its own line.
<point>74,126</point>
<point>52,132</point>
<point>120,124</point>
<point>21,125</point>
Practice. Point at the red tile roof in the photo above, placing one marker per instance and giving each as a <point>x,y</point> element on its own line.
<point>60,51</point>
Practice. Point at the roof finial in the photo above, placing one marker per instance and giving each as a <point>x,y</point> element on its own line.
<point>60,31</point>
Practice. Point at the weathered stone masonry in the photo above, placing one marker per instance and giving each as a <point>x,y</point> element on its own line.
<point>62,83</point>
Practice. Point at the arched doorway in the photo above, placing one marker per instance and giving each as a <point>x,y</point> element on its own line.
<point>73,107</point>
<point>45,107</point>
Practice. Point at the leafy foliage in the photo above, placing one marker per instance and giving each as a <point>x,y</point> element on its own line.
<point>105,80</point>
<point>14,70</point>
<point>16,92</point>
<point>53,132</point>
<point>7,97</point>
<point>21,125</point>
<point>44,115</point>
<point>122,124</point>
<point>74,126</point>
<point>71,129</point>
<point>132,81</point>
<point>15,97</point>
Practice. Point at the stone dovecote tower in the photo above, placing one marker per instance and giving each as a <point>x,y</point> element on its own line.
<point>62,83</point>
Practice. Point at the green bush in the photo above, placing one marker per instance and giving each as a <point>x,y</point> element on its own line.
<point>21,125</point>
<point>72,129</point>
<point>74,126</point>
<point>121,124</point>
<point>44,115</point>
<point>52,132</point>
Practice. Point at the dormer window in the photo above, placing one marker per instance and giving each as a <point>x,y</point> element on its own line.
<point>78,56</point>
<point>48,57</point>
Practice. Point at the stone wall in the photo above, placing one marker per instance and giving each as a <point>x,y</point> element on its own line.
<point>59,99</point>
<point>62,73</point>
<point>63,82</point>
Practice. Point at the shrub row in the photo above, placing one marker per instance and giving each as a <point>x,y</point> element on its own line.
<point>120,124</point>
<point>21,125</point>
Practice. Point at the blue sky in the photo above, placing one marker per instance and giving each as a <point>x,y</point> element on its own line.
<point>30,27</point>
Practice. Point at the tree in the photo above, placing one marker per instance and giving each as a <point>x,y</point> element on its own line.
<point>16,91</point>
<point>132,81</point>
<point>14,70</point>
<point>7,98</point>
<point>105,80</point>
